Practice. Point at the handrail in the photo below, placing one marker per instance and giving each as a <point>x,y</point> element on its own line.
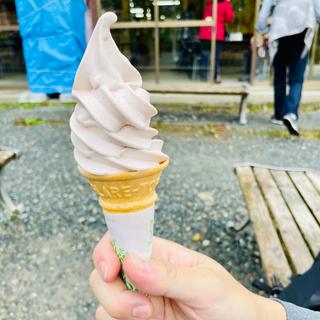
<point>11,27</point>
<point>162,24</point>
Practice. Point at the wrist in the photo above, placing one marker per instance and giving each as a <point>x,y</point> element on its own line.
<point>268,309</point>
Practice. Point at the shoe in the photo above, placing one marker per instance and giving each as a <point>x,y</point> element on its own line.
<point>276,121</point>
<point>217,80</point>
<point>244,78</point>
<point>290,121</point>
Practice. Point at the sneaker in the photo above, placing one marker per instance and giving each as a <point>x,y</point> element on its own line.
<point>217,80</point>
<point>244,78</point>
<point>290,121</point>
<point>276,121</point>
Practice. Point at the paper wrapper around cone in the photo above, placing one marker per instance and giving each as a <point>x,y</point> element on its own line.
<point>127,200</point>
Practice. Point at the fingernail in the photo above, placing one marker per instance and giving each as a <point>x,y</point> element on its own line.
<point>141,312</point>
<point>103,269</point>
<point>142,265</point>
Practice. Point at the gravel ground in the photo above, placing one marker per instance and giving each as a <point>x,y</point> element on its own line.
<point>45,252</point>
<point>256,121</point>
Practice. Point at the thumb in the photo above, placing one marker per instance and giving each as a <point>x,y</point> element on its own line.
<point>162,278</point>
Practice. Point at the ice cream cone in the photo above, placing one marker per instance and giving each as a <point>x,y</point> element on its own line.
<point>127,200</point>
<point>110,131</point>
<point>126,192</point>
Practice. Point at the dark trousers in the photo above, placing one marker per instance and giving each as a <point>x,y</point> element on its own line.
<point>205,58</point>
<point>247,61</point>
<point>288,59</point>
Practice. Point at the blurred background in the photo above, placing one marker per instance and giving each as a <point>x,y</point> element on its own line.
<point>46,245</point>
<point>161,40</point>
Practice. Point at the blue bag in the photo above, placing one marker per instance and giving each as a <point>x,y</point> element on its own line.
<point>53,34</point>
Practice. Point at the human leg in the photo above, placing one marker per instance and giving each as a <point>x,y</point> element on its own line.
<point>204,59</point>
<point>247,55</point>
<point>297,67</point>
<point>280,82</point>
<point>296,79</point>
<point>217,59</point>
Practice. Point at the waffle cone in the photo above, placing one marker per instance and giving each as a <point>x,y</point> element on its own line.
<point>126,192</point>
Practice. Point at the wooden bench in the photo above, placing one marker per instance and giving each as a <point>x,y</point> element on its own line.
<point>284,209</point>
<point>241,90</point>
<point>6,155</point>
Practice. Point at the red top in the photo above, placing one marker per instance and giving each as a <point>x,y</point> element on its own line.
<point>225,15</point>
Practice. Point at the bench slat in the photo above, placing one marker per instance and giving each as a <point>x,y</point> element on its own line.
<point>196,89</point>
<point>5,156</point>
<point>295,246</point>
<point>304,218</point>
<point>315,178</point>
<point>308,192</point>
<point>273,258</point>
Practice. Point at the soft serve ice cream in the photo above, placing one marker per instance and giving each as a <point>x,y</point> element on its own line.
<point>114,145</point>
<point>110,126</point>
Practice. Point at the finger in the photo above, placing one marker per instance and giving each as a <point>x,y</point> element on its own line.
<point>117,301</point>
<point>101,314</point>
<point>105,259</point>
<point>166,250</point>
<point>162,278</point>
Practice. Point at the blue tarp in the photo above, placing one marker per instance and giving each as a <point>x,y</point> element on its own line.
<point>53,34</point>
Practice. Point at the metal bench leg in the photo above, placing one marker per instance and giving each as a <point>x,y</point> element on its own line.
<point>243,109</point>
<point>6,201</point>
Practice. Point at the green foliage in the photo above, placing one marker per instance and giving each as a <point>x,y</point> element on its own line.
<point>33,122</point>
<point>197,129</point>
<point>14,216</point>
<point>17,105</point>
<point>29,122</point>
<point>311,134</point>
<point>279,133</point>
<point>209,130</point>
<point>179,107</point>
<point>244,16</point>
<point>22,122</point>
<point>231,108</point>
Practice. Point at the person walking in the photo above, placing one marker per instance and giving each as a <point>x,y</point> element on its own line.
<point>293,25</point>
<point>225,15</point>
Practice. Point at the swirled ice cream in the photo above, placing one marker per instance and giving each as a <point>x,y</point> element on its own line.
<point>110,126</point>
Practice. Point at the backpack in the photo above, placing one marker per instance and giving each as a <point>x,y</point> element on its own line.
<point>303,291</point>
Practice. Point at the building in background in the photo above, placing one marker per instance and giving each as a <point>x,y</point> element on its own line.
<point>11,55</point>
<point>160,39</point>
